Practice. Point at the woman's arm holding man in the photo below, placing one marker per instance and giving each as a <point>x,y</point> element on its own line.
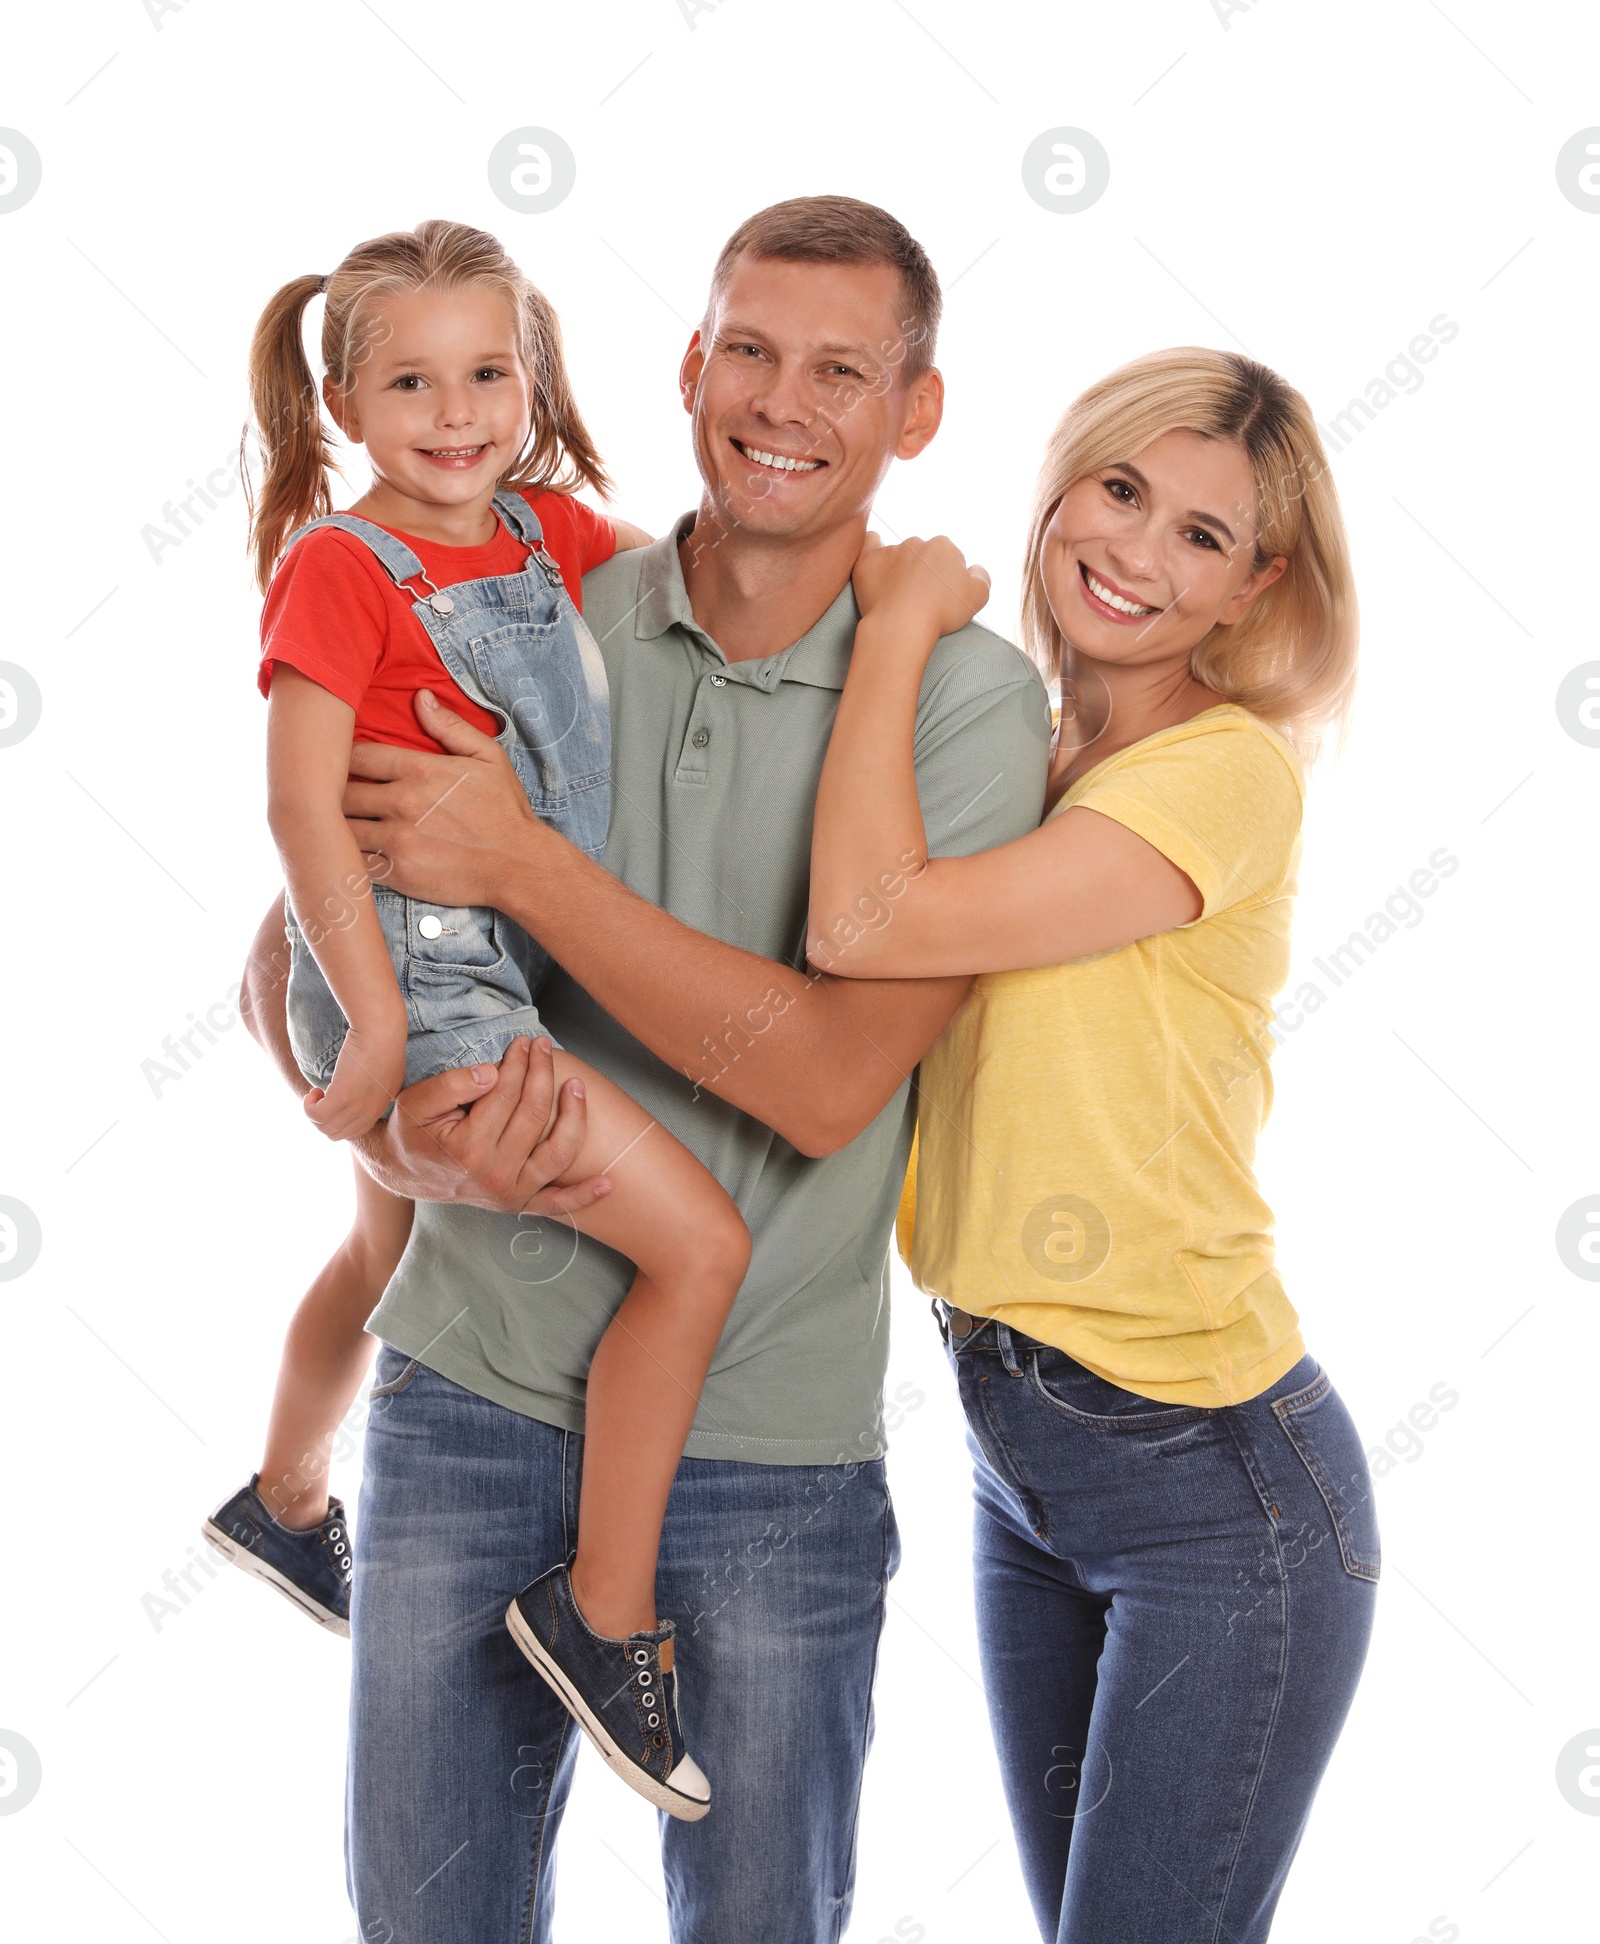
<point>1080,883</point>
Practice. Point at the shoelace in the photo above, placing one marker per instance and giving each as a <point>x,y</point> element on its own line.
<point>341,1552</point>
<point>653,1698</point>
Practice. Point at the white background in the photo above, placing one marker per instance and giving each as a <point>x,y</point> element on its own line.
<point>1315,183</point>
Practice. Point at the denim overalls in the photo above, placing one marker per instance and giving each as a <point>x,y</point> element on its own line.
<point>516,644</point>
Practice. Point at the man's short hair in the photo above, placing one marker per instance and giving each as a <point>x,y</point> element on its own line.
<point>838,229</point>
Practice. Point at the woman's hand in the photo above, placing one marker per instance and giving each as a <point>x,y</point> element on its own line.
<point>921,586</point>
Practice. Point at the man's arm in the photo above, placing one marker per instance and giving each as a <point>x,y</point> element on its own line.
<point>814,1057</point>
<point>470,1136</point>
<point>263,996</point>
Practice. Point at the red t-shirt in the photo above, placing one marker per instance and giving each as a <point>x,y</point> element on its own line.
<point>333,613</point>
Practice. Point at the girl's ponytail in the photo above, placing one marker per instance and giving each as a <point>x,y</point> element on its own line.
<point>560,455</point>
<point>295,454</point>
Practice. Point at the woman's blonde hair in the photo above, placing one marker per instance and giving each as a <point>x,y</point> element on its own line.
<point>296,456</point>
<point>1291,657</point>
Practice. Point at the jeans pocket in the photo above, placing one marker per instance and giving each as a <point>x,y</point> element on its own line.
<point>528,671</point>
<point>1324,1435</point>
<point>580,808</point>
<point>457,971</point>
<point>393,1384</point>
<point>1074,1391</point>
<point>448,938</point>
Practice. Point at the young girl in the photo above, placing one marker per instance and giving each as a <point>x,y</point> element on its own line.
<point>458,573</point>
<point>1175,1541</point>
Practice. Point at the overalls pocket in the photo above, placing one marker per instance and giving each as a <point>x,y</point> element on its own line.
<point>457,970</point>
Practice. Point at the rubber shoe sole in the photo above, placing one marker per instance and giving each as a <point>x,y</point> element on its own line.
<point>257,1568</point>
<point>673,1801</point>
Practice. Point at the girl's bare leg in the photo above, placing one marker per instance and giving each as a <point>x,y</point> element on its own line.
<point>690,1249</point>
<point>326,1354</point>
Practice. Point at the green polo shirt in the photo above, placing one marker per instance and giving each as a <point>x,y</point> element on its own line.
<point>714,780</point>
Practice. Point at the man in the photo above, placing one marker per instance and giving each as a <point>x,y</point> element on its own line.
<point>683,978</point>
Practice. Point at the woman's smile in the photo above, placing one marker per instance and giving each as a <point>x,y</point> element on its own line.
<point>1115,603</point>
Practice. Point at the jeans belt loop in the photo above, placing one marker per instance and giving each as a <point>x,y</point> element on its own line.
<point>1008,1350</point>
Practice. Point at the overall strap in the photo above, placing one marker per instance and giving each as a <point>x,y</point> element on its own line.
<point>393,555</point>
<point>521,518</point>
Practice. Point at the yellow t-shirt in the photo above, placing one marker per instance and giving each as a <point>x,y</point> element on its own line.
<point>1086,1132</point>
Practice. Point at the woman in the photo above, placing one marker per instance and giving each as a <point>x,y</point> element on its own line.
<point>1176,1547</point>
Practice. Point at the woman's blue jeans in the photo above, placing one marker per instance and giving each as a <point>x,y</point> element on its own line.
<point>1173,1611</point>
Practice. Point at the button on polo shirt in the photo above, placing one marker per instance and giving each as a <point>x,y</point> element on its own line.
<point>714,779</point>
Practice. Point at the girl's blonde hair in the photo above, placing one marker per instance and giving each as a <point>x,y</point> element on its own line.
<point>296,456</point>
<point>1291,657</point>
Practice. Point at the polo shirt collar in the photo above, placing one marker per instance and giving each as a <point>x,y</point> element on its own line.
<point>820,658</point>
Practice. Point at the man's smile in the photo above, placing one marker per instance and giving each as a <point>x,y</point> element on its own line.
<point>776,461</point>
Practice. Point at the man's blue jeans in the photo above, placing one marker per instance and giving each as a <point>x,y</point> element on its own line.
<point>1173,1611</point>
<point>460,1756</point>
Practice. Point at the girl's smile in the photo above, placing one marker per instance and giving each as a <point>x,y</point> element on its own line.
<point>454,458</point>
